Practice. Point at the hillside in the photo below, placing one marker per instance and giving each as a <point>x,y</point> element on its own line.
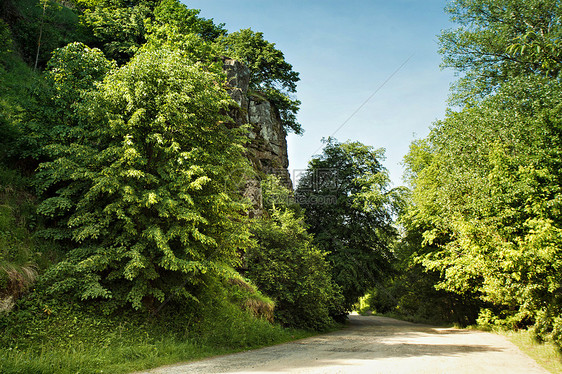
<point>134,161</point>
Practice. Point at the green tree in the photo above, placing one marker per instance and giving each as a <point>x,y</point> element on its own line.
<point>487,190</point>
<point>71,72</point>
<point>288,267</point>
<point>141,197</point>
<point>6,43</point>
<point>121,27</point>
<point>187,21</point>
<point>501,39</point>
<point>486,180</point>
<point>7,131</point>
<point>270,73</point>
<point>51,114</point>
<point>409,289</point>
<point>349,207</point>
<point>118,30</point>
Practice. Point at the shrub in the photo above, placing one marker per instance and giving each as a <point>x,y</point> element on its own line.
<point>286,266</point>
<point>136,183</point>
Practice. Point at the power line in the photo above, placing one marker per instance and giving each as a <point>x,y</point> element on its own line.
<point>370,97</point>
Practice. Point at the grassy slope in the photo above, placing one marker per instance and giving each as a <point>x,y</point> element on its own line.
<point>545,354</point>
<point>53,335</point>
<point>51,338</point>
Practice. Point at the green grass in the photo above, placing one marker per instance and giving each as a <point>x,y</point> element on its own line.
<point>55,336</point>
<point>112,359</point>
<point>545,354</point>
<point>124,358</point>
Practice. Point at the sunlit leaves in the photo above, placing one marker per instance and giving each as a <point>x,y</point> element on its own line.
<point>487,190</point>
<point>121,28</point>
<point>501,39</point>
<point>153,198</point>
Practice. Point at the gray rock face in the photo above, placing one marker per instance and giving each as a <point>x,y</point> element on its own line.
<point>267,149</point>
<point>238,80</point>
<point>269,142</point>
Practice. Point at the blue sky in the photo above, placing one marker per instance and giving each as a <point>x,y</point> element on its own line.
<point>344,51</point>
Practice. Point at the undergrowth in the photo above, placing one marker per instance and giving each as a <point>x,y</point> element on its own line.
<point>49,336</point>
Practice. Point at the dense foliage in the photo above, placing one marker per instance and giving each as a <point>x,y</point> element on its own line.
<point>287,265</point>
<point>46,335</point>
<point>486,181</point>
<point>349,207</point>
<point>120,28</point>
<point>487,185</point>
<point>126,141</point>
<point>408,290</point>
<point>137,183</point>
<point>39,27</point>
<point>498,40</point>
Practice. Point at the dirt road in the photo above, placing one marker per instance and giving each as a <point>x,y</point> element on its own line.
<point>376,345</point>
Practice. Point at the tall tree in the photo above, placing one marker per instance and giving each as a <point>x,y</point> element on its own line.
<point>270,73</point>
<point>501,39</point>
<point>349,206</point>
<point>487,190</point>
<point>141,195</point>
<point>121,27</point>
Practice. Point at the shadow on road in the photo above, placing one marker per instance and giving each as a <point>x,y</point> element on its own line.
<point>376,345</point>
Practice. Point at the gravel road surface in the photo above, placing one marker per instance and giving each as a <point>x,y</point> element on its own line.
<point>376,345</point>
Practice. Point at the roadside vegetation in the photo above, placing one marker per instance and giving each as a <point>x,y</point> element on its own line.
<point>546,354</point>
<point>52,336</point>
<point>125,240</point>
<point>481,241</point>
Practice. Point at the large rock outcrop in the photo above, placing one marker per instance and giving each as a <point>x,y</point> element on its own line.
<point>267,149</point>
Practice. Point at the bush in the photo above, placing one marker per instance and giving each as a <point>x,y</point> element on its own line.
<point>286,266</point>
<point>548,325</point>
<point>136,182</point>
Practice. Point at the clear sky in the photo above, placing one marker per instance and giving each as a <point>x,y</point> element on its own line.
<point>344,52</point>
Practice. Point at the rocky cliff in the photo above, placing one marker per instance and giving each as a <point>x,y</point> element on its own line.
<point>267,149</point>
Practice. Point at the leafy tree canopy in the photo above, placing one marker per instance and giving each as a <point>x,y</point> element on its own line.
<point>487,191</point>
<point>134,148</point>
<point>349,207</point>
<point>141,198</point>
<point>501,39</point>
<point>486,181</point>
<point>121,27</point>
<point>187,21</point>
<point>73,70</point>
